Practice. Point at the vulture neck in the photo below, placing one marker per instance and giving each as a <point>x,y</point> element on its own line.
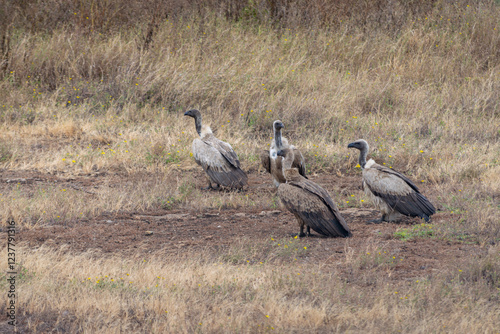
<point>362,156</point>
<point>292,174</point>
<point>205,131</point>
<point>197,122</point>
<point>287,164</point>
<point>277,139</point>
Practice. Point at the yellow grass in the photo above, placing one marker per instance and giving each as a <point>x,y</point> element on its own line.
<point>93,292</point>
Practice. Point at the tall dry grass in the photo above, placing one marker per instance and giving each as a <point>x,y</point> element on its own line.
<point>96,91</point>
<point>207,293</point>
<point>424,95</point>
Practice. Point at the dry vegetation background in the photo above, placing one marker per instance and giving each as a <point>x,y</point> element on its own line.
<point>100,87</point>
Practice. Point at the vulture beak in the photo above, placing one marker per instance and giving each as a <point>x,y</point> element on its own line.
<point>279,125</point>
<point>352,145</point>
<point>187,113</point>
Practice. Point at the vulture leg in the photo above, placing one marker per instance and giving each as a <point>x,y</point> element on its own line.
<point>301,224</point>
<point>308,230</point>
<point>209,187</point>
<point>302,234</point>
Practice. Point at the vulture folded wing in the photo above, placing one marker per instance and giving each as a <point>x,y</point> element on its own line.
<point>217,166</point>
<point>299,162</point>
<point>266,160</point>
<point>384,169</point>
<point>399,192</point>
<point>224,148</point>
<point>315,207</point>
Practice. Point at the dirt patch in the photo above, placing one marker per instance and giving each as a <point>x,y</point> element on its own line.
<point>181,232</point>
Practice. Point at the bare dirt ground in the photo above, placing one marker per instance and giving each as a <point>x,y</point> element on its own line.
<point>187,231</point>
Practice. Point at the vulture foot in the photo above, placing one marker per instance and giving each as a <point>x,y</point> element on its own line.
<point>376,221</point>
<point>426,218</point>
<point>211,188</point>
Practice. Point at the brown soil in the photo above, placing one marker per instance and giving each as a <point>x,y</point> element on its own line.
<point>183,232</point>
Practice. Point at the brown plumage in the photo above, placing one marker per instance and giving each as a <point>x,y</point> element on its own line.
<point>217,158</point>
<point>390,191</point>
<point>311,205</point>
<point>273,163</point>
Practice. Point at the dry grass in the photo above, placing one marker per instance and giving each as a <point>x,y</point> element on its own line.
<point>106,95</point>
<point>210,294</point>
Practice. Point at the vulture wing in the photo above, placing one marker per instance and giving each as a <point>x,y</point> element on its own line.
<point>299,162</point>
<point>266,160</point>
<point>399,192</point>
<point>315,207</point>
<point>224,148</point>
<point>221,167</point>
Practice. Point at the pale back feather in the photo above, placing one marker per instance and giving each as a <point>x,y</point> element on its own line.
<point>397,192</point>
<point>219,161</point>
<point>208,156</point>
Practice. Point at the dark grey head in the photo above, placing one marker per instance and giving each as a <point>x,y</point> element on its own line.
<point>193,113</point>
<point>277,125</point>
<point>359,144</point>
<point>288,157</point>
<point>286,152</point>
<point>363,147</point>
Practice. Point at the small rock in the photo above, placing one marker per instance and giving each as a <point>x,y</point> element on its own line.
<point>173,216</point>
<point>270,213</point>
<point>22,181</point>
<point>148,233</point>
<point>240,214</point>
<point>109,221</point>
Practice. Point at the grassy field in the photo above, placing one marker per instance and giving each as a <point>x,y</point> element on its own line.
<point>98,91</point>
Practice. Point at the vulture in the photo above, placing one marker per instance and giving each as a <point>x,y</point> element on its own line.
<point>391,192</point>
<point>217,158</point>
<point>273,163</point>
<point>311,205</point>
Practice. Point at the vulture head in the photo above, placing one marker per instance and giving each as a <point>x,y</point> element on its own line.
<point>193,113</point>
<point>360,144</point>
<point>278,125</point>
<point>288,157</point>
<point>363,147</point>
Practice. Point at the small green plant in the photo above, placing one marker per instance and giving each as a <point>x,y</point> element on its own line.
<point>158,155</point>
<point>378,258</point>
<point>275,202</point>
<point>418,231</point>
<point>185,189</point>
<point>5,153</point>
<point>168,203</point>
<point>291,248</point>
